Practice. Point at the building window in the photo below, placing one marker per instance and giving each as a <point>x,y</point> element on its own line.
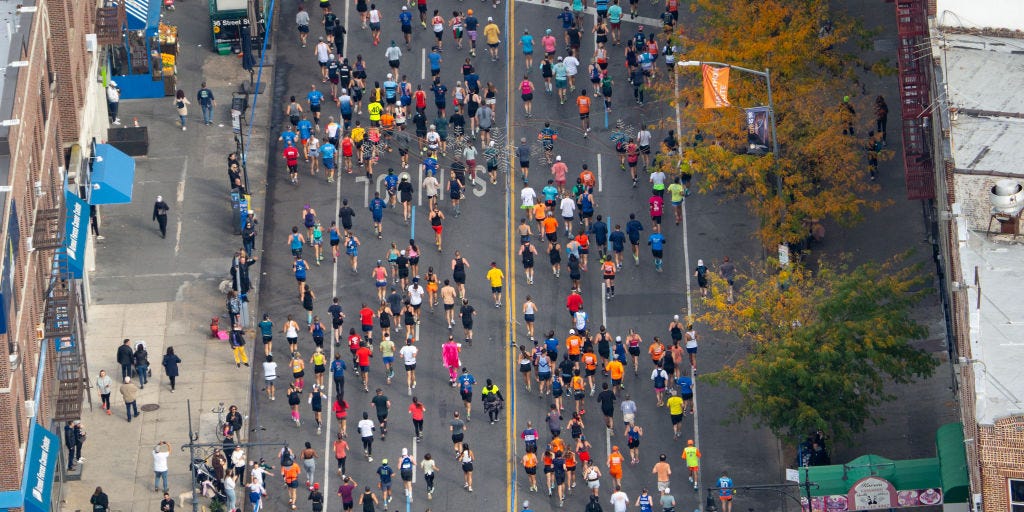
<point>1016,495</point>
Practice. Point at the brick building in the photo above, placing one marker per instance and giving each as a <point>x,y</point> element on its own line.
<point>50,106</point>
<point>976,69</point>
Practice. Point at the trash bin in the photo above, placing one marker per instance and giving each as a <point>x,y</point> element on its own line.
<point>131,140</point>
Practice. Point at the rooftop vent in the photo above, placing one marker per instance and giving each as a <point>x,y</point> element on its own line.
<point>1007,197</point>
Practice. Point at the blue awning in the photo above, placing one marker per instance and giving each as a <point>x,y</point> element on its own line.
<point>142,14</point>
<point>112,178</point>
<point>37,478</point>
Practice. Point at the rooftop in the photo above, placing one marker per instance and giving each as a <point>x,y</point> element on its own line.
<point>983,78</point>
<point>997,327</point>
<point>1005,14</point>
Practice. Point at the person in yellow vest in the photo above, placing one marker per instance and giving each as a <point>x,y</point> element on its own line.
<point>692,457</point>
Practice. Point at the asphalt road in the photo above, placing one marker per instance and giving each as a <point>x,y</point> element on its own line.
<point>645,300</point>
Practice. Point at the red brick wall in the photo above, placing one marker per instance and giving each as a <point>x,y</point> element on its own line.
<point>50,92</point>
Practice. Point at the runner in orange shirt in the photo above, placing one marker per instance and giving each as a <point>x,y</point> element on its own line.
<point>587,178</point>
<point>530,466</point>
<point>583,104</point>
<point>574,346</point>
<point>590,367</point>
<point>584,240</point>
<point>550,225</point>
<point>657,351</point>
<point>608,272</point>
<point>291,480</point>
<point>615,371</point>
<point>615,460</point>
<point>578,390</point>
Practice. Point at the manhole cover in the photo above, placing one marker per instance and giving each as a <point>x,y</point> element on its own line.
<point>149,407</point>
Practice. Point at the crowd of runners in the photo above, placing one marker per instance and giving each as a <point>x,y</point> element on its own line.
<point>363,116</point>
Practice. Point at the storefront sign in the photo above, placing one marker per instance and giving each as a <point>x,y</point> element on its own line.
<point>43,447</point>
<point>874,493</point>
<point>76,224</point>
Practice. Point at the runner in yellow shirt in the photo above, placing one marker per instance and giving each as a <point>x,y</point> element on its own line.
<point>677,192</point>
<point>492,33</point>
<point>692,457</point>
<point>675,410</point>
<point>496,277</point>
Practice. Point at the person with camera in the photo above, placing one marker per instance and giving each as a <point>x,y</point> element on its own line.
<point>161,452</point>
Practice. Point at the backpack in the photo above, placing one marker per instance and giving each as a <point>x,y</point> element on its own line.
<point>406,469</point>
<point>660,378</point>
<point>180,104</point>
<point>620,146</point>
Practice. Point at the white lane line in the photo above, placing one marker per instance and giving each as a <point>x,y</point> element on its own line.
<point>328,422</point>
<point>180,200</point>
<point>600,180</point>
<point>423,63</point>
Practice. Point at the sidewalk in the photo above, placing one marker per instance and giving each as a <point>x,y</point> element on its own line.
<point>164,291</point>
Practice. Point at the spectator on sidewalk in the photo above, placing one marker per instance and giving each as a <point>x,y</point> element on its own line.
<point>113,100</point>
<point>129,392</point>
<point>125,358</point>
<point>103,384</point>
<point>160,210</point>
<point>170,364</point>
<point>206,103</point>
<point>141,358</point>
<point>181,104</point>
<point>100,501</point>
<point>161,452</point>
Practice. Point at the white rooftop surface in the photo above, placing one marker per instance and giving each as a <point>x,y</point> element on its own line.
<point>983,73</point>
<point>997,329</point>
<point>981,14</point>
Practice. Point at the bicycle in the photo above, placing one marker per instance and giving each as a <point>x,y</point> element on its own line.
<point>221,422</point>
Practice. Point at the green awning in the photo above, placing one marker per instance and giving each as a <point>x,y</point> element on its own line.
<point>949,444</point>
<point>903,474</point>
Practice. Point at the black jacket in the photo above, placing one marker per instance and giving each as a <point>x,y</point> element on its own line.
<point>160,208</point>
<point>125,355</point>
<point>241,277</point>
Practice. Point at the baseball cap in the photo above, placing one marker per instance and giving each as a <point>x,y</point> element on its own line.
<point>618,339</point>
<point>390,75</point>
<point>385,461</point>
<point>316,487</point>
<point>490,18</point>
<point>526,504</point>
<point>113,83</point>
<point>404,8</point>
<point>559,157</point>
<point>668,491</point>
<point>415,279</point>
<point>547,31</point>
<point>572,331</point>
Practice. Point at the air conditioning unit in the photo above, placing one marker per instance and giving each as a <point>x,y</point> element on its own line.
<point>90,43</point>
<point>30,408</point>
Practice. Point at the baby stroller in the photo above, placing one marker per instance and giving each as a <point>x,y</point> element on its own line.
<point>208,484</point>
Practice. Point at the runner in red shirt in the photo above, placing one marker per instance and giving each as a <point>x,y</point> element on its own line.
<point>291,158</point>
<point>363,355</point>
<point>347,150</point>
<point>366,321</point>
<point>574,302</point>
<point>657,205</point>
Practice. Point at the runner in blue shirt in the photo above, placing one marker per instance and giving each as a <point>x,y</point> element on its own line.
<point>405,18</point>
<point>618,243</point>
<point>566,17</point>
<point>725,492</point>
<point>465,383</point>
<point>440,90</point>
<point>289,137</point>
<point>315,98</point>
<point>391,185</point>
<point>305,132</point>
<point>550,193</point>
<point>430,166</point>
<point>327,152</point>
<point>526,41</point>
<point>435,61</point>
<point>602,8</point>
<point>633,229</point>
<point>390,90</point>
<point>385,473</point>
<point>657,243</point>
<point>377,206</point>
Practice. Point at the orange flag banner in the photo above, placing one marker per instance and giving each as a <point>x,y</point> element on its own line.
<point>716,86</point>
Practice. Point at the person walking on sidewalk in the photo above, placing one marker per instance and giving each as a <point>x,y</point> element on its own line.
<point>129,392</point>
<point>103,384</point>
<point>125,358</point>
<point>161,452</point>
<point>141,359</point>
<point>237,341</point>
<point>100,501</point>
<point>170,364</point>
<point>206,103</point>
<point>181,104</point>
<point>113,100</point>
<point>160,210</point>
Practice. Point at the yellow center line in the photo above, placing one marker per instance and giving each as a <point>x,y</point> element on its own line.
<point>510,268</point>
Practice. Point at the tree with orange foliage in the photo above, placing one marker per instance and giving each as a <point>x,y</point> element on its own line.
<point>823,168</point>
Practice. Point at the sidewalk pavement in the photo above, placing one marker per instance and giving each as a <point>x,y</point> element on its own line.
<point>165,291</point>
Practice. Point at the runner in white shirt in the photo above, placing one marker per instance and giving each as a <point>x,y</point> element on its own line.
<point>416,292</point>
<point>619,500</point>
<point>269,375</point>
<point>431,186</point>
<point>643,141</point>
<point>528,196</point>
<point>408,354</point>
<point>572,67</point>
<point>568,207</point>
<point>365,428</point>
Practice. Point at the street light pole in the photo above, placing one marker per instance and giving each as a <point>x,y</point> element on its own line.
<point>766,74</point>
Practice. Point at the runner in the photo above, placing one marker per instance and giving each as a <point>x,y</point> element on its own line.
<point>496,278</point>
<point>692,457</point>
<point>528,252</point>
<point>583,105</point>
<point>408,354</point>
